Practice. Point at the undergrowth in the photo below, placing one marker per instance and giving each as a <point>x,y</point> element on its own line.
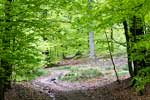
<point>31,75</point>
<point>79,74</point>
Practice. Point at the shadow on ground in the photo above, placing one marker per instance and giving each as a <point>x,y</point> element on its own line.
<point>113,91</point>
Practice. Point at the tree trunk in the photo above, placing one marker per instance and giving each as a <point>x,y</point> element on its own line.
<point>7,75</point>
<point>112,60</point>
<point>136,30</point>
<point>91,45</point>
<point>2,92</point>
<point>112,38</point>
<point>128,48</point>
<point>91,35</point>
<point>5,80</point>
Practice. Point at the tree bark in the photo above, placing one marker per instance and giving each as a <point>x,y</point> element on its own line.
<point>91,45</point>
<point>137,31</point>
<point>92,54</point>
<point>5,80</point>
<point>128,40</point>
<point>2,92</point>
<point>112,38</point>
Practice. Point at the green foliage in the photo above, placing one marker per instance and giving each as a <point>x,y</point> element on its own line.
<point>61,27</point>
<point>142,79</point>
<point>70,28</point>
<point>142,48</point>
<point>30,75</point>
<point>21,36</point>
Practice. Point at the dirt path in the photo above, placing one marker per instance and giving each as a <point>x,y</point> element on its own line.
<point>101,62</point>
<point>50,88</point>
<point>51,82</point>
<point>55,88</point>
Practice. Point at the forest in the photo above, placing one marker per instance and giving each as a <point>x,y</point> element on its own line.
<point>74,49</point>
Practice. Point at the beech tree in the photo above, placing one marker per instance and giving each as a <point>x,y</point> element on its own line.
<point>21,25</point>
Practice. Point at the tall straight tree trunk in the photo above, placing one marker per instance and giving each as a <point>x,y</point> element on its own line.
<point>91,45</point>
<point>91,35</point>
<point>125,24</point>
<point>5,80</point>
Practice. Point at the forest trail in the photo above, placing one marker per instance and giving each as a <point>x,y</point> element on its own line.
<point>102,88</point>
<point>51,81</point>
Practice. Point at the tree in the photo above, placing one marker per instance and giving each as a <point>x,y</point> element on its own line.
<point>6,66</point>
<point>91,35</point>
<point>22,25</point>
<point>136,30</point>
<point>128,39</point>
<point>132,14</point>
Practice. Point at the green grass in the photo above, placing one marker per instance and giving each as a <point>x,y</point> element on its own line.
<point>108,68</point>
<point>31,76</point>
<point>125,67</point>
<point>79,74</point>
<point>65,68</point>
<point>122,72</point>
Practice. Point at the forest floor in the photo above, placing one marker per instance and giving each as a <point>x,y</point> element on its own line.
<point>105,87</point>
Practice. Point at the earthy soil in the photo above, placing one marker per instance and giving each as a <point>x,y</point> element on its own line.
<point>101,88</point>
<point>101,62</point>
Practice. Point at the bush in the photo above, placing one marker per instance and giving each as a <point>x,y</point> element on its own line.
<point>142,79</point>
<point>31,75</point>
